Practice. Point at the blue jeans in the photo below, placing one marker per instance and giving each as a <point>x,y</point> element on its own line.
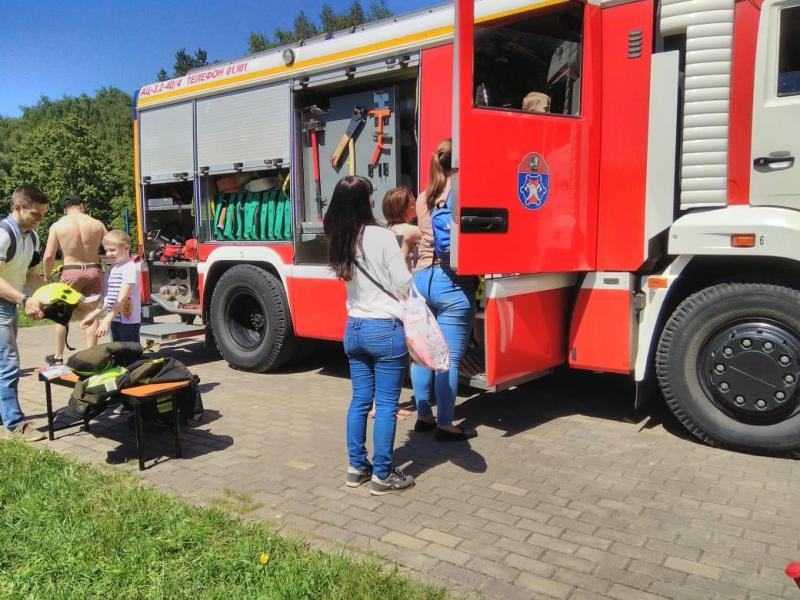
<point>124,332</point>
<point>376,349</point>
<point>450,298</point>
<point>10,412</point>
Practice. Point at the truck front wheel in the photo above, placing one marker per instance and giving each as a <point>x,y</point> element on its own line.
<point>250,319</point>
<point>728,363</point>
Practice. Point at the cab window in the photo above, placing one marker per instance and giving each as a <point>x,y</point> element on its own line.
<point>789,53</point>
<point>531,62</point>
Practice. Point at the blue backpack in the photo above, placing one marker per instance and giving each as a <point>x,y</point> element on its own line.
<point>441,221</point>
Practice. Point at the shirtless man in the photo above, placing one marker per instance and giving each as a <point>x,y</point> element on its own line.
<point>79,237</point>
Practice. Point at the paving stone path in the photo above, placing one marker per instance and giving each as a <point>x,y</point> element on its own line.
<point>566,493</point>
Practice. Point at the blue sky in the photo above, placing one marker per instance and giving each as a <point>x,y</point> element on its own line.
<point>67,47</point>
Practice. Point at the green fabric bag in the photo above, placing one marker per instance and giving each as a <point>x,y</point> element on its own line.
<point>250,217</point>
<point>277,229</point>
<point>287,217</point>
<point>240,216</point>
<point>230,218</point>
<point>219,201</point>
<point>271,215</point>
<point>264,213</point>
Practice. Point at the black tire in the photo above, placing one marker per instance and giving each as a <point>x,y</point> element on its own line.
<point>719,366</point>
<point>187,319</point>
<point>250,319</point>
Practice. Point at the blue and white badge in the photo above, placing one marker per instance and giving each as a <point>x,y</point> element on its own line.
<point>533,181</point>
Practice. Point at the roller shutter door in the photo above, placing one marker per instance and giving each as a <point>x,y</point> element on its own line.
<point>246,127</point>
<point>166,142</point>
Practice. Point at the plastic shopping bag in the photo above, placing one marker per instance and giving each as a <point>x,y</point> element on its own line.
<point>424,339</point>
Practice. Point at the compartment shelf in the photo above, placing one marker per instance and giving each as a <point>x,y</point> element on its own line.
<point>176,263</point>
<point>173,207</point>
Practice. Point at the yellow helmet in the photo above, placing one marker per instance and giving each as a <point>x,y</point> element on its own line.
<point>58,300</point>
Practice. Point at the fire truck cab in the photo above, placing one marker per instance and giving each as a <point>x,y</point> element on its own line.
<point>627,188</point>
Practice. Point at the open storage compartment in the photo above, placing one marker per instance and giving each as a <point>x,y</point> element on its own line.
<point>360,121</point>
<point>170,245</point>
<point>246,206</point>
<point>243,165</point>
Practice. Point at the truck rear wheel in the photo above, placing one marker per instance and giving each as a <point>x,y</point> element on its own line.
<point>250,319</point>
<point>728,363</point>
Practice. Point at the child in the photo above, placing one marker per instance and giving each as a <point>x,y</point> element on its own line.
<point>399,209</point>
<point>122,297</point>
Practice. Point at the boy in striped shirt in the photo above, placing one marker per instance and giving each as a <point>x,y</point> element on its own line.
<point>123,294</point>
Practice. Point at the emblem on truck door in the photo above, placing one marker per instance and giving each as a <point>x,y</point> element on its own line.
<point>533,181</point>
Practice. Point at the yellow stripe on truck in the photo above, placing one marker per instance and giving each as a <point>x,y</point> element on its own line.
<point>265,74</point>
<point>404,42</point>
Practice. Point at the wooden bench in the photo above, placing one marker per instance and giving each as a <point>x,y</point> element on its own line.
<point>137,396</point>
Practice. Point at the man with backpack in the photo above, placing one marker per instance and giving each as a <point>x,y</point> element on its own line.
<point>19,255</point>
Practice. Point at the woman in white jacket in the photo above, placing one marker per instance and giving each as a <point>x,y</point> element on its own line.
<point>368,258</point>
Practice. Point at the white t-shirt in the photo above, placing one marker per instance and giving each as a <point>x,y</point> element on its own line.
<point>127,272</point>
<point>383,259</point>
<point>15,271</point>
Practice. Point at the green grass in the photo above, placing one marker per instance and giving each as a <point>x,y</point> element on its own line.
<point>26,321</point>
<point>73,531</point>
<point>234,502</point>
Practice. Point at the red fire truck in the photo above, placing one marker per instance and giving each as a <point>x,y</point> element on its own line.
<point>627,188</point>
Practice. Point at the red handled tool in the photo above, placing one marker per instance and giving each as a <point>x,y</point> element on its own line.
<point>313,127</point>
<point>380,114</point>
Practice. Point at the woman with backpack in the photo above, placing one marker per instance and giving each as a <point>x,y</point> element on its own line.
<point>450,298</point>
<point>367,257</point>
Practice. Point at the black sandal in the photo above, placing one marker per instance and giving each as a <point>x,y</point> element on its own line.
<point>51,360</point>
<point>445,435</point>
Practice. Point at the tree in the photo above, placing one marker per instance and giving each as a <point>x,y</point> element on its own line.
<point>184,62</point>
<point>256,43</point>
<point>63,157</point>
<point>304,27</point>
<point>107,116</point>
<point>330,21</point>
<point>378,11</point>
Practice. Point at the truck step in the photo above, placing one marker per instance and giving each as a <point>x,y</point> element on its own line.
<point>168,332</point>
<point>472,370</point>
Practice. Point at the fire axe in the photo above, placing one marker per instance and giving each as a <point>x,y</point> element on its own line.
<point>313,127</point>
<point>348,139</point>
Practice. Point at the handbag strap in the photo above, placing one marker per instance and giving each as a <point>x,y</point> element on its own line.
<point>373,280</point>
